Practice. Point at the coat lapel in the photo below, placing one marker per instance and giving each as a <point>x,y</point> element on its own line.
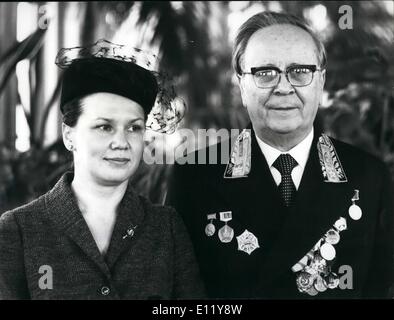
<point>63,210</point>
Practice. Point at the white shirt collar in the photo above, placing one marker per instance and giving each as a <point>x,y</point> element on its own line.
<point>300,152</point>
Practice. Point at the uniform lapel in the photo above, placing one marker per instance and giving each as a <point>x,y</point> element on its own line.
<point>63,210</point>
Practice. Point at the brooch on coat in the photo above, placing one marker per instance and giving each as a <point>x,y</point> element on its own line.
<point>314,270</point>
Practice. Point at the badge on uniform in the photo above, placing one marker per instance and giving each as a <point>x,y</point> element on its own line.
<point>313,271</point>
<point>226,233</point>
<point>330,164</point>
<point>247,242</point>
<point>355,211</point>
<point>240,159</point>
<point>210,227</point>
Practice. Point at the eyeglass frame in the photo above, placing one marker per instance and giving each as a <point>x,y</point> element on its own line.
<point>313,68</point>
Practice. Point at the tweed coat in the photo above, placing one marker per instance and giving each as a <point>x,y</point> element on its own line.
<point>157,262</point>
<point>285,236</point>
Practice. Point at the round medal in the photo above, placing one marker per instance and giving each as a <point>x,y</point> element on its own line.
<point>332,236</point>
<point>320,284</point>
<point>327,251</point>
<point>210,229</point>
<point>304,281</point>
<point>341,224</point>
<point>355,212</point>
<point>312,291</point>
<point>226,234</point>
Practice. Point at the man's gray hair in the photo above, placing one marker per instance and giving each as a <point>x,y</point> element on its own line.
<point>265,19</point>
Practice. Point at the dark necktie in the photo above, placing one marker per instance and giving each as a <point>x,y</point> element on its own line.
<point>285,164</point>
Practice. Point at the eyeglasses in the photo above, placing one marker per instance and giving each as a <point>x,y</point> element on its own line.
<point>269,76</point>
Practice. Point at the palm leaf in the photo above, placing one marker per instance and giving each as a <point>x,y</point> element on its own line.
<point>27,49</point>
<point>48,107</point>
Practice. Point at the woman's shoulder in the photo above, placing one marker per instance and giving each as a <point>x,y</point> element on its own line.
<point>29,209</point>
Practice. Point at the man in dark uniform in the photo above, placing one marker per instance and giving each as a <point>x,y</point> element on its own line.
<point>294,213</point>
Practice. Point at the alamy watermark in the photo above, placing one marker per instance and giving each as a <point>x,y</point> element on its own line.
<point>45,282</point>
<point>346,278</point>
<point>346,19</point>
<point>45,14</point>
<point>196,147</point>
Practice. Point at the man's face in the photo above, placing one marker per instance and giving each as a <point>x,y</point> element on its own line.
<point>283,110</point>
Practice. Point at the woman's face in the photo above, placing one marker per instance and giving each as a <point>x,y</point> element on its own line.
<point>107,139</point>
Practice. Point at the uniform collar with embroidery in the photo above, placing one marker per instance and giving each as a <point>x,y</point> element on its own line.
<point>239,164</point>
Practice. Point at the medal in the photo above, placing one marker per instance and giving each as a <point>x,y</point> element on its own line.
<point>341,224</point>
<point>327,251</point>
<point>247,242</point>
<point>312,291</point>
<point>314,269</point>
<point>318,263</point>
<point>304,281</point>
<point>320,284</point>
<point>226,233</point>
<point>355,211</point>
<point>311,271</point>
<point>332,236</point>
<point>210,227</point>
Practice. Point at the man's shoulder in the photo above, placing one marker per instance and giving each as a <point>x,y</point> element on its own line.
<point>361,166</point>
<point>354,157</point>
